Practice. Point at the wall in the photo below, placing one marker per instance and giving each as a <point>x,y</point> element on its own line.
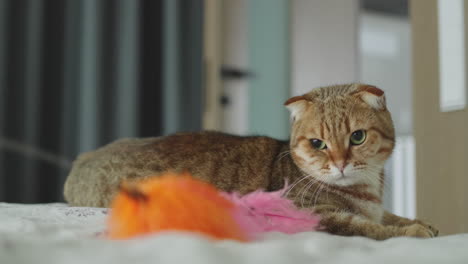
<point>441,138</point>
<point>324,43</point>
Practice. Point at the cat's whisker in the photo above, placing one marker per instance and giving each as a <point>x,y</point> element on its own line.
<point>324,188</point>
<point>377,170</point>
<point>296,183</point>
<point>303,188</point>
<point>377,181</point>
<point>321,189</point>
<point>283,154</point>
<point>306,189</point>
<point>371,178</point>
<point>327,191</point>
<point>317,193</point>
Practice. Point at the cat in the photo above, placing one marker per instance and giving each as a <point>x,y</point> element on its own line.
<point>341,137</point>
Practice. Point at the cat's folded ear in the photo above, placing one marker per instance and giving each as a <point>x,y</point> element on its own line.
<point>372,95</point>
<point>296,105</point>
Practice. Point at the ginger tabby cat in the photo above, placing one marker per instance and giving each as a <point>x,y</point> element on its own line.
<point>341,138</point>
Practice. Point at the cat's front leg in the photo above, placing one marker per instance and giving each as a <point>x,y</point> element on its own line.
<point>348,224</point>
<point>395,220</point>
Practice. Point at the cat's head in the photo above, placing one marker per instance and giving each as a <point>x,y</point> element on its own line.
<point>341,134</point>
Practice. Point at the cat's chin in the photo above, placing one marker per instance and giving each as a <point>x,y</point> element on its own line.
<point>343,180</point>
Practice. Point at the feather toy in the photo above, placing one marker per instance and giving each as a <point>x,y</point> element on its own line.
<point>180,202</point>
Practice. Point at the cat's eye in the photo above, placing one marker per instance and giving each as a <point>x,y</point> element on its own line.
<point>318,144</point>
<point>358,137</point>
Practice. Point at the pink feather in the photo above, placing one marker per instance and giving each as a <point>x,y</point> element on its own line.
<point>260,212</point>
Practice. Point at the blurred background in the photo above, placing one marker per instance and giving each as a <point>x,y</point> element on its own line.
<point>78,74</point>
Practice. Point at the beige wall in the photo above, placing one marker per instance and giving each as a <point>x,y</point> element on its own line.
<point>441,138</point>
<point>323,37</point>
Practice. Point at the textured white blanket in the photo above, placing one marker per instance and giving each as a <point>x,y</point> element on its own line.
<point>55,233</point>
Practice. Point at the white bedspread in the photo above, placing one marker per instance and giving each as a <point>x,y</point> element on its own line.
<point>55,233</point>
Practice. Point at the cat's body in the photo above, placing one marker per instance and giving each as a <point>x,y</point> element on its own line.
<point>341,138</point>
<point>231,163</point>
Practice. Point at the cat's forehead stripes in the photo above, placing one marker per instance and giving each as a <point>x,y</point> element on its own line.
<point>327,93</point>
<point>342,125</point>
<point>322,131</point>
<point>334,123</point>
<point>347,124</point>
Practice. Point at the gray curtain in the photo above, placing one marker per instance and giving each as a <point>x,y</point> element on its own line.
<point>77,74</point>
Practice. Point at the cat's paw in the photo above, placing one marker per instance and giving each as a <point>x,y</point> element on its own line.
<point>434,230</point>
<point>418,230</point>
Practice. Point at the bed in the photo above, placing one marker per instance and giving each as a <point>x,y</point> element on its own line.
<point>57,233</point>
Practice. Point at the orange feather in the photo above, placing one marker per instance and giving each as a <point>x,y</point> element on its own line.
<point>172,202</point>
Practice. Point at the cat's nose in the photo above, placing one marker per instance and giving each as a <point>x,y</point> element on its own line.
<point>339,157</point>
<point>341,168</point>
<point>341,165</point>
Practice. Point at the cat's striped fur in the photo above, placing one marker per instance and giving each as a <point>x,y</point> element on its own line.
<point>343,182</point>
